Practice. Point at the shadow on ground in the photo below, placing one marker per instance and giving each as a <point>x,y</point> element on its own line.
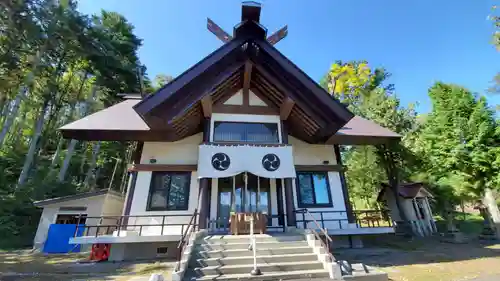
<point>23,265</point>
<point>393,250</point>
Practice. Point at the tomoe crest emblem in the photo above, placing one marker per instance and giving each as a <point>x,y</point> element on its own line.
<point>220,161</point>
<point>271,162</point>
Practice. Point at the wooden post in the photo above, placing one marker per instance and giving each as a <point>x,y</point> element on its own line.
<point>203,204</point>
<point>345,190</point>
<point>291,220</point>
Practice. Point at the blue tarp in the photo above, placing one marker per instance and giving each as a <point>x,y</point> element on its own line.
<point>58,238</point>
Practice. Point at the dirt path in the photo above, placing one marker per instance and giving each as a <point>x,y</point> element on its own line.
<point>23,265</point>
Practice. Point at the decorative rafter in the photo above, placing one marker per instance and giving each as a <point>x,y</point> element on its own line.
<point>218,31</point>
<point>286,108</point>
<point>278,35</point>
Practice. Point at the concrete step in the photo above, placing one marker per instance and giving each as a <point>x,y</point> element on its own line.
<point>247,253</point>
<point>245,244</point>
<point>361,272</point>
<point>249,260</point>
<point>264,267</point>
<point>237,239</point>
<point>267,276</point>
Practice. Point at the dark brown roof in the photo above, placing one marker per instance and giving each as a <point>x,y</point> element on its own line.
<point>316,116</point>
<point>362,131</point>
<point>121,122</point>
<point>174,112</point>
<point>50,201</point>
<point>406,190</point>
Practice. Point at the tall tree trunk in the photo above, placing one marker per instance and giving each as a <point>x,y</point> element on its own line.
<point>23,92</point>
<point>492,210</point>
<point>83,157</point>
<point>72,144</point>
<point>18,129</point>
<point>388,157</point>
<point>67,159</point>
<point>95,152</point>
<point>4,106</point>
<point>55,157</point>
<point>68,116</point>
<point>33,145</point>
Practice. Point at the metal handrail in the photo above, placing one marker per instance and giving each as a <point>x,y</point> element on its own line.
<point>325,245</point>
<point>363,218</point>
<point>122,223</point>
<point>255,270</point>
<point>185,239</point>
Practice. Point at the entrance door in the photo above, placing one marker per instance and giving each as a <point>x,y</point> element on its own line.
<point>235,197</point>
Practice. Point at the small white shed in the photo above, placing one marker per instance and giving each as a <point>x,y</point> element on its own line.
<point>67,210</point>
<point>415,203</point>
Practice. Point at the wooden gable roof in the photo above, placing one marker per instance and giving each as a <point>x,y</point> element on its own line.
<point>315,117</point>
<point>246,61</point>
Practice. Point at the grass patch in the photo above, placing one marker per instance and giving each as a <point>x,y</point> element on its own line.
<point>471,224</point>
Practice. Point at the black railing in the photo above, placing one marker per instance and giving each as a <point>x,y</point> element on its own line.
<point>338,219</point>
<point>184,242</point>
<point>107,225</point>
<point>324,238</point>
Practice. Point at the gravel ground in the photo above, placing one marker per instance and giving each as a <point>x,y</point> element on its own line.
<point>429,259</point>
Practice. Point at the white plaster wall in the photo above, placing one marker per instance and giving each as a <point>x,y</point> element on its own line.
<point>183,152</point>
<point>236,99</point>
<point>139,208</point>
<point>338,205</point>
<point>311,154</point>
<point>254,100</point>
<point>49,215</point>
<point>245,118</point>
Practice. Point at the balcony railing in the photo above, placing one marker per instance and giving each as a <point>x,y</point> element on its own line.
<point>338,219</point>
<point>146,225</point>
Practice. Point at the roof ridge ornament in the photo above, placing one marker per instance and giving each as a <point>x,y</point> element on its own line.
<point>249,26</point>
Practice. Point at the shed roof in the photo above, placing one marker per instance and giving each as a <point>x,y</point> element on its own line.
<point>46,202</point>
<point>406,190</point>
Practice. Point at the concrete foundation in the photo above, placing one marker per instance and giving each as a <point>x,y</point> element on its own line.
<point>357,242</point>
<point>138,251</point>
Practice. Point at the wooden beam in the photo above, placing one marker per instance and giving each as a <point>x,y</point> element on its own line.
<point>286,107</point>
<point>247,76</point>
<point>218,31</point>
<point>278,35</point>
<point>319,168</point>
<point>206,105</point>
<point>241,109</point>
<point>161,168</point>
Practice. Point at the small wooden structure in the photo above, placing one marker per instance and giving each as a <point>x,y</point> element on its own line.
<point>415,204</point>
<point>240,223</point>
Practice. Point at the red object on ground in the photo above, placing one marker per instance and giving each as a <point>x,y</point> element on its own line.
<point>100,252</point>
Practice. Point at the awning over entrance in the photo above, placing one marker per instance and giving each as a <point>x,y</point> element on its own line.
<point>218,161</point>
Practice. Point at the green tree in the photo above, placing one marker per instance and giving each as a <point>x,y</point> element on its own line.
<point>363,174</point>
<point>460,140</point>
<point>57,65</point>
<point>161,80</point>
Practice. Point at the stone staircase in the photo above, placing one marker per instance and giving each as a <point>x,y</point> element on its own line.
<point>279,257</point>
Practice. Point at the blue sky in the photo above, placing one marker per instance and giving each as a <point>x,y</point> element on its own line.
<point>418,41</point>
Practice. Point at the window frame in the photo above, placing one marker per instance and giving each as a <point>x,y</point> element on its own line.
<point>278,133</point>
<point>152,189</point>
<point>300,204</point>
